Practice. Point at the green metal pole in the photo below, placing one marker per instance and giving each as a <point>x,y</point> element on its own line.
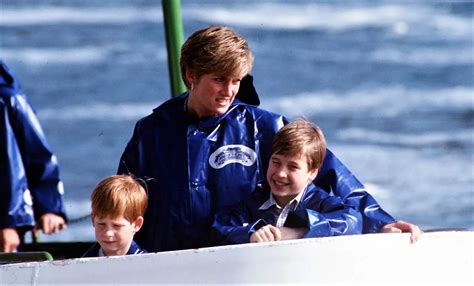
<point>174,40</point>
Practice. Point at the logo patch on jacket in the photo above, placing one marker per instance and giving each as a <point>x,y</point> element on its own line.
<point>232,154</point>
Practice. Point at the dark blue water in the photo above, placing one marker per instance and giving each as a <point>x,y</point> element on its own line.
<point>390,83</point>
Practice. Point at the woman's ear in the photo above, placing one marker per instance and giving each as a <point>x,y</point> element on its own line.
<point>138,223</point>
<point>190,77</point>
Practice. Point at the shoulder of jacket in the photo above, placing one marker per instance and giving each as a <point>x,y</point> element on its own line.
<point>168,109</point>
<point>314,195</point>
<point>174,102</point>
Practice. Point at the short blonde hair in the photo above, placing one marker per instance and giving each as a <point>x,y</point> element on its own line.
<point>216,49</point>
<point>119,195</point>
<point>301,138</point>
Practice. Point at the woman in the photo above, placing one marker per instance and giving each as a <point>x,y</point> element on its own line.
<point>208,148</point>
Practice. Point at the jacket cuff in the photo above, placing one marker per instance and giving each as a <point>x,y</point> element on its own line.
<point>257,225</point>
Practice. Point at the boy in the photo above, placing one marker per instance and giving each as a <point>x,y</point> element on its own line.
<point>294,208</point>
<point>118,204</point>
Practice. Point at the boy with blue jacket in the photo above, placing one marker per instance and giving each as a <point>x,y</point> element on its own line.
<point>295,207</point>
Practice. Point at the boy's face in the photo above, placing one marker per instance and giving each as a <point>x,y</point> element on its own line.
<point>115,235</point>
<point>288,176</point>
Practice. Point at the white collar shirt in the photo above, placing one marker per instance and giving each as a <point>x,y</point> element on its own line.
<point>281,213</point>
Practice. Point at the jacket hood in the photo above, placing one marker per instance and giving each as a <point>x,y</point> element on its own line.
<point>247,93</point>
<point>7,80</point>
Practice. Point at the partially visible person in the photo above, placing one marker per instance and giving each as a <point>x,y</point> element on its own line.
<point>30,187</point>
<point>209,148</point>
<point>294,207</point>
<point>118,204</point>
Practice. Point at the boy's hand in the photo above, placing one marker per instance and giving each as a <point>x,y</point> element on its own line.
<point>402,226</point>
<point>266,233</point>
<point>292,233</point>
<point>9,240</point>
<point>51,223</point>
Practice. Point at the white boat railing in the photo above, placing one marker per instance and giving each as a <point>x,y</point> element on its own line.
<point>439,258</point>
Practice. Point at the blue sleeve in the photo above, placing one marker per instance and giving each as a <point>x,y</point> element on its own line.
<point>234,226</point>
<point>335,219</point>
<point>336,178</point>
<point>16,203</point>
<point>30,163</point>
<point>41,165</point>
<point>325,215</point>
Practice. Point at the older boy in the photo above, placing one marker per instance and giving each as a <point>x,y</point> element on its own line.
<point>118,205</point>
<point>294,208</point>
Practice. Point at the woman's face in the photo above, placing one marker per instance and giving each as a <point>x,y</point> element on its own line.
<point>211,94</point>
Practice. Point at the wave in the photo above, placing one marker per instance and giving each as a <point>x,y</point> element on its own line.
<point>94,54</point>
<point>411,140</point>
<point>425,56</point>
<point>414,56</point>
<point>397,19</point>
<point>68,15</point>
<point>99,111</point>
<point>382,102</point>
<point>55,55</point>
<point>84,55</point>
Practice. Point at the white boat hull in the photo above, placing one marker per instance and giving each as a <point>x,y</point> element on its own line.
<point>378,259</point>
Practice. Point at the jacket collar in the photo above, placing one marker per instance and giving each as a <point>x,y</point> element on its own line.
<point>247,92</point>
<point>272,202</point>
<point>134,249</point>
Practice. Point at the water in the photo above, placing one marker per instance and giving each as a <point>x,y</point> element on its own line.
<point>390,83</point>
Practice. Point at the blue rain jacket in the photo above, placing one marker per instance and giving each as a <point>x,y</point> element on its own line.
<point>320,213</point>
<point>194,168</point>
<point>29,174</point>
